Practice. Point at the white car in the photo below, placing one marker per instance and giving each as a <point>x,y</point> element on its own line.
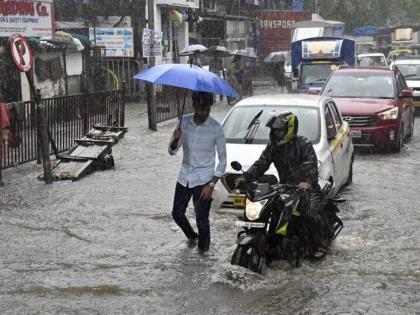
<point>372,60</point>
<point>410,68</point>
<point>319,121</point>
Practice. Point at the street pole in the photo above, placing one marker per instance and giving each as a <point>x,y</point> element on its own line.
<point>150,91</point>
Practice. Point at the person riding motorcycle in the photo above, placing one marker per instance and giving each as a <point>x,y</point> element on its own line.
<point>296,162</point>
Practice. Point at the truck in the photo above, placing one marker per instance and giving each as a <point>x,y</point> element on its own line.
<point>313,59</point>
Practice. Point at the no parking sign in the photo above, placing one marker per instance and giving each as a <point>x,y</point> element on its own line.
<point>21,52</point>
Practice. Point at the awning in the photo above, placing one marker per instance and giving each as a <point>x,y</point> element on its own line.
<point>226,17</point>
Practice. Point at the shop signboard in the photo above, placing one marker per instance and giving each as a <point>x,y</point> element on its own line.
<point>26,17</point>
<point>116,41</point>
<point>151,42</point>
<point>194,4</point>
<point>275,28</point>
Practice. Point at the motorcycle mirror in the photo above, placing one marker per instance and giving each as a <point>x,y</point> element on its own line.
<point>236,166</point>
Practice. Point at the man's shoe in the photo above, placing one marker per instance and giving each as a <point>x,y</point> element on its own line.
<point>192,241</point>
<point>203,249</point>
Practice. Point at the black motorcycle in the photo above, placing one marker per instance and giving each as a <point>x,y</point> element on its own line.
<point>274,227</point>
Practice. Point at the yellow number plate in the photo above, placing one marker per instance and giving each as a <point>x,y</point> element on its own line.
<point>239,201</point>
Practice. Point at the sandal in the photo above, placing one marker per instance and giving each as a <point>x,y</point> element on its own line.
<point>319,253</point>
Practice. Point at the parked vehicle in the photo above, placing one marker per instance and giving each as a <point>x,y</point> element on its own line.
<point>274,227</point>
<point>377,103</point>
<point>398,53</point>
<point>313,59</point>
<point>319,121</point>
<point>410,68</point>
<point>371,60</point>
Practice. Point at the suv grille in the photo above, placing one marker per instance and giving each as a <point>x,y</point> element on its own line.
<point>229,180</point>
<point>360,121</point>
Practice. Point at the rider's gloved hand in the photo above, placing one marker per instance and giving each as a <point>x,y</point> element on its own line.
<point>304,186</point>
<point>240,182</point>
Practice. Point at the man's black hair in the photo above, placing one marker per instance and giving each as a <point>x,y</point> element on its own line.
<point>202,98</point>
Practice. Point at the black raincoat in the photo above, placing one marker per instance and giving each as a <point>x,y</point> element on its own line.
<point>295,162</point>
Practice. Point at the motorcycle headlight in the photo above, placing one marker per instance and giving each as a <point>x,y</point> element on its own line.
<point>253,209</point>
<point>389,114</point>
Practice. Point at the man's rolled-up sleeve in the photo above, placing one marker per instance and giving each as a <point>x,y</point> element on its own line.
<point>221,153</point>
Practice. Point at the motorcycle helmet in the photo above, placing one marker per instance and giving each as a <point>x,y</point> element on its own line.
<point>284,127</point>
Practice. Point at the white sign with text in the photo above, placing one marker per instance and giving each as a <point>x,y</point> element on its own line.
<point>28,18</point>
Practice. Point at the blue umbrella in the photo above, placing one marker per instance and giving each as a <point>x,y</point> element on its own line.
<point>188,77</point>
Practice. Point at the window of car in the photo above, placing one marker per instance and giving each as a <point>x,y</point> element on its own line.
<point>402,80</point>
<point>410,71</point>
<point>372,61</point>
<point>336,115</point>
<point>236,124</point>
<point>330,124</point>
<point>316,73</point>
<point>360,85</point>
<point>400,83</point>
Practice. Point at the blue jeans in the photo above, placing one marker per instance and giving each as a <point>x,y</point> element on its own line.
<point>202,209</point>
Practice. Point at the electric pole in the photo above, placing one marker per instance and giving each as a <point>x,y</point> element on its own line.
<point>150,91</point>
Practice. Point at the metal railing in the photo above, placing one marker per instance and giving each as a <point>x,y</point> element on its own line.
<point>68,118</point>
<point>169,102</point>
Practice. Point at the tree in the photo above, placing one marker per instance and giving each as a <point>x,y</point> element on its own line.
<point>367,12</point>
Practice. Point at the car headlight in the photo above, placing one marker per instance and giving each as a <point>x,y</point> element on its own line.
<point>389,114</point>
<point>253,209</point>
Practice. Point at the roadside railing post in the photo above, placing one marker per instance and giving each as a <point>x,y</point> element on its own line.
<point>43,136</point>
<point>1,159</point>
<point>122,109</point>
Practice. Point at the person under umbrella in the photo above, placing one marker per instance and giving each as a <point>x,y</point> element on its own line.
<point>279,76</point>
<point>236,74</point>
<point>193,51</point>
<point>201,137</point>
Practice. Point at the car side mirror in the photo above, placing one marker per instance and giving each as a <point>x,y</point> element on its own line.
<point>314,90</point>
<point>406,93</point>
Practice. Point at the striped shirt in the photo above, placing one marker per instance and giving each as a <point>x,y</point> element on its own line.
<point>199,144</point>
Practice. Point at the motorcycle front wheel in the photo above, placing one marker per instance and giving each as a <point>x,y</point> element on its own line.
<point>249,257</point>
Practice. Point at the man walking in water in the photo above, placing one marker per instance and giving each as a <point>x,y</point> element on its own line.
<point>201,137</point>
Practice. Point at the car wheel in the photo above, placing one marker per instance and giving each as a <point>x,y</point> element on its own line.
<point>350,177</point>
<point>411,132</point>
<point>398,146</point>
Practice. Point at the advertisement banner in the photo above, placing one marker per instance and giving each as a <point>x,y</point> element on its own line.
<point>117,41</point>
<point>151,42</point>
<point>275,29</point>
<point>26,17</point>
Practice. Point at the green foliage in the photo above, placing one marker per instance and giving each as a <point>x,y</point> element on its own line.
<point>70,9</point>
<point>368,12</point>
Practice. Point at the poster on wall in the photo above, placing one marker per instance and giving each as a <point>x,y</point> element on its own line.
<point>151,43</point>
<point>116,41</point>
<point>26,17</point>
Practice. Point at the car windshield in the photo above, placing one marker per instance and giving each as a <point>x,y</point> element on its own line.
<point>316,73</point>
<point>236,124</point>
<point>372,61</point>
<point>360,84</point>
<point>410,71</point>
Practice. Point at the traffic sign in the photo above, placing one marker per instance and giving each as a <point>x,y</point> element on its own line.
<point>21,52</point>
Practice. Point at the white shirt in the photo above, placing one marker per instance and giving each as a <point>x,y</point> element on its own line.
<point>199,144</point>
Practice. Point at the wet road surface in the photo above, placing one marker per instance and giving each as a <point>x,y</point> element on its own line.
<point>107,243</point>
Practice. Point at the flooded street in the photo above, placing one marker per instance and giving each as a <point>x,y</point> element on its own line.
<point>107,244</point>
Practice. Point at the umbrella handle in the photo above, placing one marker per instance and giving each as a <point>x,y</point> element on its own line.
<point>182,111</point>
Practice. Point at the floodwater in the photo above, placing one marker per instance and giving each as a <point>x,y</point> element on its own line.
<point>107,243</point>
